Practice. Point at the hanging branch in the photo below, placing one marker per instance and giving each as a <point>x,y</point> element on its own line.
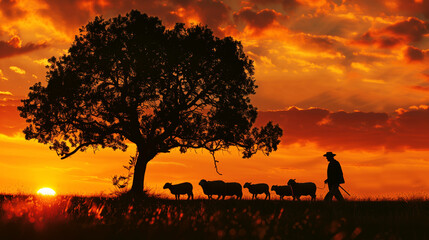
<point>215,162</point>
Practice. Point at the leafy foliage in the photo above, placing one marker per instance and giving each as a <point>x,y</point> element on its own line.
<point>129,79</point>
<point>121,182</point>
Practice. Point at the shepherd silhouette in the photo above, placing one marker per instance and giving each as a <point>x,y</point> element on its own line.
<point>335,178</point>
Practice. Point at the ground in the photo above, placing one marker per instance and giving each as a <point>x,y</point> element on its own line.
<point>76,217</point>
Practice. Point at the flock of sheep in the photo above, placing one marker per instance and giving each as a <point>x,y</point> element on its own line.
<point>223,189</point>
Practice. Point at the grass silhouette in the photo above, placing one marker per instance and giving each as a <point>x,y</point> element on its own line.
<point>77,217</point>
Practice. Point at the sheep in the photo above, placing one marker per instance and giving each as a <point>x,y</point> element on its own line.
<point>300,189</point>
<point>256,189</point>
<point>181,188</point>
<point>211,188</point>
<point>282,191</point>
<point>233,189</point>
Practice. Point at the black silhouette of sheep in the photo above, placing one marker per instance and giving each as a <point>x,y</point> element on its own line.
<point>302,189</point>
<point>181,188</point>
<point>211,188</point>
<point>221,189</point>
<point>233,189</point>
<point>256,189</point>
<point>283,190</point>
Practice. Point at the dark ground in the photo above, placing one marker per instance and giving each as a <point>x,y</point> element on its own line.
<point>73,217</point>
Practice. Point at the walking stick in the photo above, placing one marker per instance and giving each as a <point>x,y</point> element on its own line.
<point>344,190</point>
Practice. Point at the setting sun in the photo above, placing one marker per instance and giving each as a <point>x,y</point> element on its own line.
<point>46,192</point>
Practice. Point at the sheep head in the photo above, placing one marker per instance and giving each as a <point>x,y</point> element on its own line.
<point>291,182</point>
<point>167,185</point>
<point>202,182</point>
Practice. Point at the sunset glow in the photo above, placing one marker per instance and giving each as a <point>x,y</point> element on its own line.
<point>347,76</point>
<point>46,192</point>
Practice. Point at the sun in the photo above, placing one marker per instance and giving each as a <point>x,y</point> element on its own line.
<point>46,192</point>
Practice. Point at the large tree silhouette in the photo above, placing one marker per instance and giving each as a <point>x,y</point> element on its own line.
<point>130,80</point>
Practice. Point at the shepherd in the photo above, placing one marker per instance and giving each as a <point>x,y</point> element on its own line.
<point>335,178</point>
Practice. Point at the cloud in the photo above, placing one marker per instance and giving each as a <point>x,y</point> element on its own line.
<point>413,54</point>
<point>391,8</point>
<point>11,10</point>
<point>213,13</point>
<point>399,33</point>
<point>14,47</point>
<point>287,5</point>
<point>59,12</point>
<point>258,20</point>
<point>319,42</point>
<point>10,122</point>
<point>43,61</point>
<point>329,23</point>
<point>404,129</point>
<point>17,70</point>
<point>2,77</point>
<point>5,93</point>
<point>413,29</point>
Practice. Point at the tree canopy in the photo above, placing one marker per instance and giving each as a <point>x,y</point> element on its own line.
<point>130,79</point>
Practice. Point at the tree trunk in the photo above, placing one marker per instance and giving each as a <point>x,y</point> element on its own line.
<point>139,172</point>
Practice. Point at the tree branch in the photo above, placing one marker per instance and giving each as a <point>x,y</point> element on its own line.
<point>66,155</point>
<point>215,162</point>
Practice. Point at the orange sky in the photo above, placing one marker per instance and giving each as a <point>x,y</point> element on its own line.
<point>348,76</point>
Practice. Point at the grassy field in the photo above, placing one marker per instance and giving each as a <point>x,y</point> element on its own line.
<point>73,217</point>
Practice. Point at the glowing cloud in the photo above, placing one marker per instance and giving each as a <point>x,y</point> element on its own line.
<point>2,77</point>
<point>17,70</point>
<point>6,93</point>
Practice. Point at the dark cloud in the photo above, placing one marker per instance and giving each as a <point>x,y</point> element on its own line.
<point>421,88</point>
<point>287,5</point>
<point>414,54</point>
<point>405,129</point>
<point>324,43</point>
<point>327,24</point>
<point>10,9</point>
<point>370,38</point>
<point>412,29</point>
<point>13,47</point>
<point>67,13</point>
<point>403,32</point>
<point>392,8</point>
<point>257,20</point>
<point>213,13</point>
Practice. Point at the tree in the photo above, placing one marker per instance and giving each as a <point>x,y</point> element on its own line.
<point>130,80</point>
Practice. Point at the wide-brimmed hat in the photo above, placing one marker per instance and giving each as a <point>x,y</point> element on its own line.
<point>329,154</point>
